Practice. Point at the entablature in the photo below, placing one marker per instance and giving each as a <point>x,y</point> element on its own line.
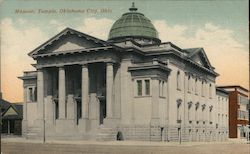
<point>149,69</point>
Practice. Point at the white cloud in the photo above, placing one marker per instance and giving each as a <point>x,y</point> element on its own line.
<point>96,27</point>
<point>15,45</point>
<point>92,26</point>
<point>228,56</point>
<point>55,24</point>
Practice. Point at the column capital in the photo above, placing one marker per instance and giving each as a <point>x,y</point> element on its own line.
<point>110,63</point>
<point>61,67</point>
<point>84,65</point>
<point>40,69</point>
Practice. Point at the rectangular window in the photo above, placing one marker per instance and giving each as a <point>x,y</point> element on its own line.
<point>147,87</point>
<point>139,87</point>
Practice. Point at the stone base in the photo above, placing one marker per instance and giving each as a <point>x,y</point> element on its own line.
<point>65,126</point>
<point>38,130</point>
<point>67,129</point>
<point>24,128</point>
<point>110,122</point>
<point>155,122</point>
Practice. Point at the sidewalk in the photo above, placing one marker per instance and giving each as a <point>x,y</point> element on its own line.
<point>129,143</point>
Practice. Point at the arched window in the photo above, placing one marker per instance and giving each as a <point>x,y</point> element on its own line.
<point>195,88</point>
<point>196,112</point>
<point>189,83</point>
<point>203,113</point>
<point>179,101</point>
<point>178,79</point>
<point>210,114</point>
<point>189,111</point>
<point>162,88</point>
<point>210,90</point>
<point>202,88</point>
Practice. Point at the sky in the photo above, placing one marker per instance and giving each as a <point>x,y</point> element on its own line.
<point>219,26</point>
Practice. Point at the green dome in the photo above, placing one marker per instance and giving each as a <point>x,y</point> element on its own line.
<point>133,25</point>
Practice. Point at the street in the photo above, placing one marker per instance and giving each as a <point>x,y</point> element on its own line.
<point>125,147</point>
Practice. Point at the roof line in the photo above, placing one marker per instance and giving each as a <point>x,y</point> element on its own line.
<point>234,86</point>
<point>51,40</point>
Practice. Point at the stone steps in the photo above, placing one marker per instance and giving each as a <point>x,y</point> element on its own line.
<point>106,134</point>
<point>32,132</point>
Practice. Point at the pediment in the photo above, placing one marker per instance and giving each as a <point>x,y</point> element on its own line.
<point>199,56</point>
<point>10,111</point>
<point>198,59</point>
<point>68,40</point>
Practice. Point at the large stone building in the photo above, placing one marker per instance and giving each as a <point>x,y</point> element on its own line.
<point>85,88</point>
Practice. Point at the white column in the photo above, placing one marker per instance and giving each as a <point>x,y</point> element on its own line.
<point>109,86</point>
<point>8,126</point>
<point>85,91</point>
<point>62,102</point>
<point>40,93</point>
<point>25,103</point>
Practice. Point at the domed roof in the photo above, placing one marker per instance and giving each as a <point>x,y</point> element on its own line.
<point>133,25</point>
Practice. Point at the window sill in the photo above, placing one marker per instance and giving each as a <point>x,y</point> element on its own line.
<point>142,96</point>
<point>31,101</point>
<point>162,97</point>
<point>178,89</point>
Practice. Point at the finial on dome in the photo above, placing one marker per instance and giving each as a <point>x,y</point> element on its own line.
<point>133,8</point>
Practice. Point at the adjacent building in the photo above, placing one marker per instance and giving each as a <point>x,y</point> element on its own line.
<point>222,113</point>
<point>238,111</point>
<point>11,118</point>
<point>132,85</point>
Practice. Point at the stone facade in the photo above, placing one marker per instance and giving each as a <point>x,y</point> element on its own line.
<point>88,89</point>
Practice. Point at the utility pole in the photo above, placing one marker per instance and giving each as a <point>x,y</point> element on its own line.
<point>1,125</point>
<point>43,123</point>
<point>180,132</point>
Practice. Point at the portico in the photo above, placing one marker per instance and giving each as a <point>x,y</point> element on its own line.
<point>75,91</point>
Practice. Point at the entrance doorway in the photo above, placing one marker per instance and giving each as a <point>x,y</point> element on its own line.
<point>102,111</point>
